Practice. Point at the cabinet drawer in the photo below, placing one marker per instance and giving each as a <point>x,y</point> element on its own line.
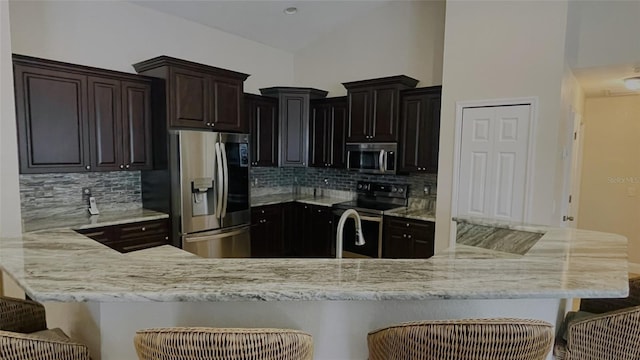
<point>144,229</point>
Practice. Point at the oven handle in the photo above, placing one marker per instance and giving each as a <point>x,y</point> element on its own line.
<point>377,219</point>
<point>381,161</point>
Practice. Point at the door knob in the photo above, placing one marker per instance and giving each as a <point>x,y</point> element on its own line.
<point>567,218</point>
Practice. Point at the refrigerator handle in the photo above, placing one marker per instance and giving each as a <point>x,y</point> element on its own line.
<point>219,181</point>
<point>225,171</point>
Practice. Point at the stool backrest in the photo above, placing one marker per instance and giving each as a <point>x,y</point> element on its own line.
<point>223,344</point>
<point>481,339</point>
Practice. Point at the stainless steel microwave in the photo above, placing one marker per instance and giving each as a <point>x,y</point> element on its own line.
<point>376,158</point>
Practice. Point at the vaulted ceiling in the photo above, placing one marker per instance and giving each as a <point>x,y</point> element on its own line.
<point>265,21</point>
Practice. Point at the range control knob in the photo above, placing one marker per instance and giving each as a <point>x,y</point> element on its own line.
<point>400,190</point>
<point>394,189</point>
<point>359,186</point>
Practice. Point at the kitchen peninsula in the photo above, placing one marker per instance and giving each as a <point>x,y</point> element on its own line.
<point>104,296</point>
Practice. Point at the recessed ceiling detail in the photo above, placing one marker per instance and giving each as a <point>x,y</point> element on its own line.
<point>606,81</point>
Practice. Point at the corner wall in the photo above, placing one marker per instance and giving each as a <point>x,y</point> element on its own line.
<point>496,50</point>
<point>401,38</point>
<point>115,34</point>
<point>10,219</point>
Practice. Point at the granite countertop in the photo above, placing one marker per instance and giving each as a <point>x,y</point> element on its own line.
<point>410,213</point>
<point>78,222</point>
<point>62,265</point>
<point>288,197</point>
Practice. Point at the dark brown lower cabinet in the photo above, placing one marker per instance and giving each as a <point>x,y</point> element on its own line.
<point>131,237</point>
<point>407,239</point>
<point>267,238</point>
<point>315,235</point>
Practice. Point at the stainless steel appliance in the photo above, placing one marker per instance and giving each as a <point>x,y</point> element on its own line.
<point>372,158</point>
<point>373,199</point>
<point>206,187</point>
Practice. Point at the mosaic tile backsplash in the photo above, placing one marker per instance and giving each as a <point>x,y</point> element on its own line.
<point>339,179</point>
<point>45,195</point>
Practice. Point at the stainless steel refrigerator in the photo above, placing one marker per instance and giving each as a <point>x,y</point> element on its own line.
<point>208,190</point>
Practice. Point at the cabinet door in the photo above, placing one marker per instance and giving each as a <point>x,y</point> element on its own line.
<point>190,99</point>
<point>321,230</point>
<point>422,234</point>
<point>53,135</point>
<point>336,130</point>
<point>262,116</point>
<point>397,245</point>
<point>105,123</point>
<point>301,230</point>
<point>429,140</point>
<point>136,124</point>
<point>413,113</point>
<point>266,232</point>
<point>384,119</point>
<point>294,130</point>
<point>359,115</point>
<point>318,138</point>
<point>226,105</point>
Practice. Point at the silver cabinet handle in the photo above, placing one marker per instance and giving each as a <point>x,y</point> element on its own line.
<point>166,238</point>
<point>407,224</point>
<point>88,167</point>
<point>404,235</point>
<point>208,124</point>
<point>144,228</point>
<point>127,166</point>
<point>121,166</point>
<point>409,236</point>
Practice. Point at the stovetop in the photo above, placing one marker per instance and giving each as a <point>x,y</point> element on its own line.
<point>375,198</point>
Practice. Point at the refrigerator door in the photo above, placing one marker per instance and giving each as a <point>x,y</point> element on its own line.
<point>201,183</point>
<point>236,209</point>
<point>228,243</point>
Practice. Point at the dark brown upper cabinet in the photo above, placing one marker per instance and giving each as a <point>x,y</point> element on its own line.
<point>73,118</point>
<point>199,96</point>
<point>328,132</point>
<point>420,130</point>
<point>261,114</point>
<point>374,108</point>
<point>293,115</point>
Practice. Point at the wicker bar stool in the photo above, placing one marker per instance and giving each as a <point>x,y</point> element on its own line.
<point>24,334</point>
<point>223,344</point>
<point>481,339</point>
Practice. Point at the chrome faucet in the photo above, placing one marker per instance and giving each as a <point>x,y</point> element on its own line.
<point>339,238</point>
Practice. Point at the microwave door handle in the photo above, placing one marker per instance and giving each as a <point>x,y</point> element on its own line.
<point>386,161</point>
<point>381,161</point>
<point>225,174</point>
<point>219,180</point>
<point>349,160</point>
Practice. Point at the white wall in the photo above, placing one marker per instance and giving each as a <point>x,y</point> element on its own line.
<point>116,34</point>
<point>401,38</point>
<point>504,49</point>
<point>610,190</point>
<point>10,219</point>
<point>603,33</point>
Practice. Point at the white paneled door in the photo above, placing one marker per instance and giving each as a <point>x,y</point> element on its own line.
<point>493,162</point>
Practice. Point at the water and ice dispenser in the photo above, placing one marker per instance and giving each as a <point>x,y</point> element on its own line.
<point>202,197</point>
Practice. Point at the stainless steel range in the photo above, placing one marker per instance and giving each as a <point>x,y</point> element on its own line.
<point>373,199</point>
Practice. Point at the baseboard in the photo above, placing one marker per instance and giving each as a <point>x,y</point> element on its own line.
<point>634,268</point>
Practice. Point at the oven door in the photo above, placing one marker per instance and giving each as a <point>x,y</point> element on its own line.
<point>372,232</point>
